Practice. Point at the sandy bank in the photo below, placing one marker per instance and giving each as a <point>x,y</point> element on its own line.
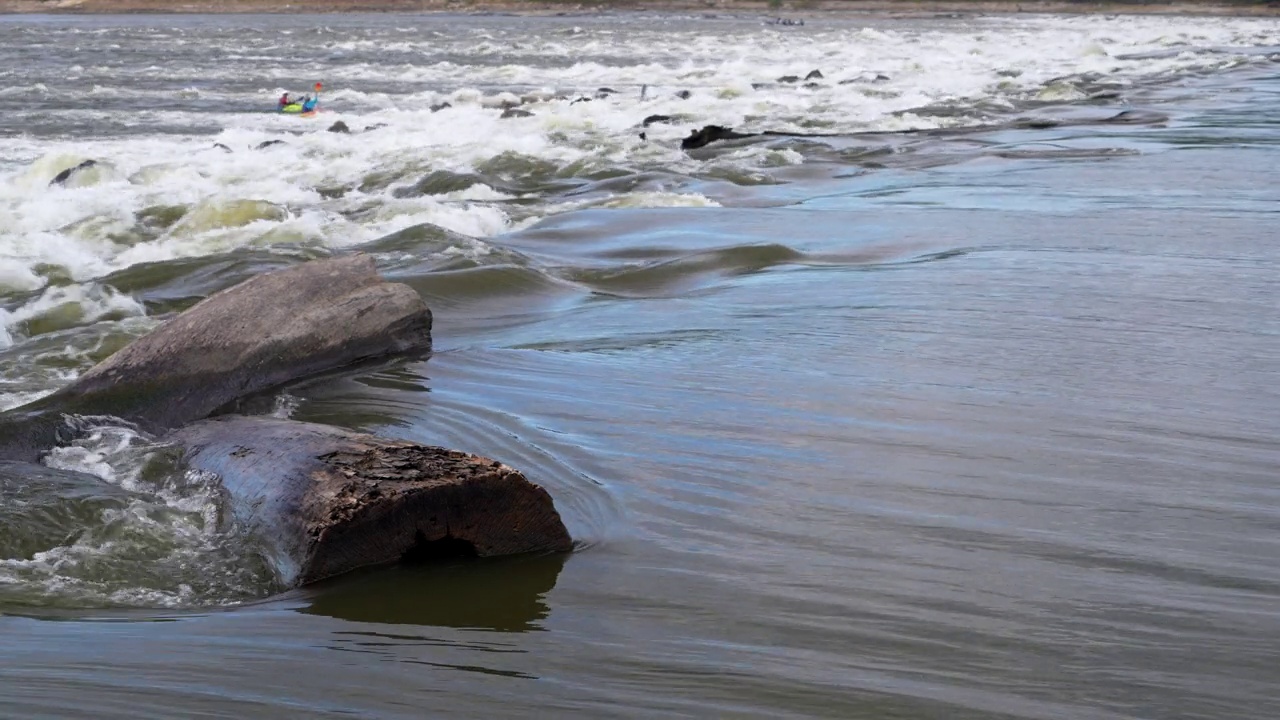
<point>786,8</point>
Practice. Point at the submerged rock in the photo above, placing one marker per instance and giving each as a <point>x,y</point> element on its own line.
<point>269,330</point>
<point>1036,123</point>
<point>1136,117</point>
<point>62,177</point>
<point>709,134</point>
<point>339,127</point>
<point>158,218</point>
<point>873,79</point>
<point>515,113</point>
<point>329,501</point>
<point>219,214</point>
<point>439,182</point>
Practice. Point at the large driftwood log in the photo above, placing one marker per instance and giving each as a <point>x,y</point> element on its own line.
<point>327,501</point>
<point>266,331</point>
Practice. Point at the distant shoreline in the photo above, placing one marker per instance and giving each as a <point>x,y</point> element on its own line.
<point>790,9</point>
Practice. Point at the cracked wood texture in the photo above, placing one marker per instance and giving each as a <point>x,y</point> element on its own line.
<point>328,501</point>
<point>271,329</point>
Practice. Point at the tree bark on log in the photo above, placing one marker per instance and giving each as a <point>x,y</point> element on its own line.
<point>327,501</point>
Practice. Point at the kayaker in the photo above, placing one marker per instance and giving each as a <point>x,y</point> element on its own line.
<point>284,100</point>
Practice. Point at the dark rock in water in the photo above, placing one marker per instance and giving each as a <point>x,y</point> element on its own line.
<point>814,75</point>
<point>440,106</point>
<point>865,79</point>
<point>605,92</point>
<point>269,330</point>
<point>656,119</point>
<point>62,177</point>
<point>577,100</point>
<point>813,85</point>
<point>160,217</point>
<point>333,192</point>
<point>512,112</point>
<point>712,133</point>
<point>375,126</point>
<point>789,79</point>
<point>328,501</point>
<point>684,94</point>
<point>439,182</point>
<point>1036,123</point>
<point>760,86</point>
<point>222,147</point>
<point>339,127</point>
<point>269,143</point>
<point>709,134</point>
<point>644,136</point>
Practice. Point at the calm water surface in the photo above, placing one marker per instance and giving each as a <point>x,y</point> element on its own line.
<point>968,425</point>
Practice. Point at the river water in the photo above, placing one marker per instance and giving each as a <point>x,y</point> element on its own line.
<point>967,408</point>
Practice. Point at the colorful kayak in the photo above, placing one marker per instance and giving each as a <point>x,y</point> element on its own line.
<point>299,109</point>
<point>304,109</point>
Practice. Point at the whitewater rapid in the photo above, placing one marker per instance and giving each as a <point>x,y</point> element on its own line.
<point>174,113</point>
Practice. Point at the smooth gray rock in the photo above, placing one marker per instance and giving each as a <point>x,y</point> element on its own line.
<point>269,330</point>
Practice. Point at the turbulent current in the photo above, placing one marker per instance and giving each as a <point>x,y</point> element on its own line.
<point>950,392</point>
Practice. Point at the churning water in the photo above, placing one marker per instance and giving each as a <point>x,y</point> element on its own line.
<point>955,399</point>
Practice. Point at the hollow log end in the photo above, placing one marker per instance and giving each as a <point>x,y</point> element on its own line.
<point>385,502</point>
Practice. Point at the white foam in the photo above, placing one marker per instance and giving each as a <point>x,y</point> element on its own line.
<point>923,65</point>
<point>87,228</point>
<point>103,451</point>
<point>10,400</point>
<point>285,405</point>
<point>60,307</point>
<point>163,545</point>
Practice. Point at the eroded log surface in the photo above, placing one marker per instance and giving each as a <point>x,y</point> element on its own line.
<point>328,501</point>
